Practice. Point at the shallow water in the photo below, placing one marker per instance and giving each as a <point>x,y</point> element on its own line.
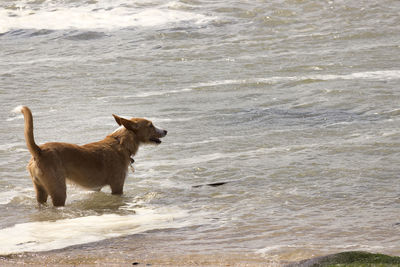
<point>294,104</point>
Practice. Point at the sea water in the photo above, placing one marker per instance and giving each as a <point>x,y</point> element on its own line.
<point>292,106</point>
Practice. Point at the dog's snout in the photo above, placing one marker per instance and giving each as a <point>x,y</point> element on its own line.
<point>161,132</point>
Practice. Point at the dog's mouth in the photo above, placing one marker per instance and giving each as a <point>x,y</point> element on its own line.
<point>155,140</point>
<point>159,134</point>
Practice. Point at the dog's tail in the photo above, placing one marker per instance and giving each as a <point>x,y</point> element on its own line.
<point>28,131</point>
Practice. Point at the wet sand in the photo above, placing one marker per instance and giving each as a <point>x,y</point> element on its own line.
<point>53,259</point>
<point>159,248</point>
<point>150,249</point>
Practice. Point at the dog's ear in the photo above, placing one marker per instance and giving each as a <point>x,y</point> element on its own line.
<point>126,123</point>
<point>117,119</point>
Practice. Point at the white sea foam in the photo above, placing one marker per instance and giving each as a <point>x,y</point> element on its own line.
<point>158,93</point>
<point>102,15</point>
<point>145,94</point>
<point>6,197</point>
<point>187,161</point>
<point>42,236</point>
<point>382,75</point>
<point>11,146</point>
<point>368,75</point>
<point>16,117</point>
<point>18,192</point>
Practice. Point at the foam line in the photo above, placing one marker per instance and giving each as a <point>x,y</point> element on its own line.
<point>102,15</point>
<point>43,236</point>
<point>381,75</point>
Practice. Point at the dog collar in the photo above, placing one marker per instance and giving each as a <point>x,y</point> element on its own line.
<point>131,165</point>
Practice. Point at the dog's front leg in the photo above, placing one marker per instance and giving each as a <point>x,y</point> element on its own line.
<point>117,183</point>
<point>117,189</point>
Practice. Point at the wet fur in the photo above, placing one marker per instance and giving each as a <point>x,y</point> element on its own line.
<point>92,165</point>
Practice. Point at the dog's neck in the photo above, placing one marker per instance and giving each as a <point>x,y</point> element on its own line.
<point>125,141</point>
<point>131,154</point>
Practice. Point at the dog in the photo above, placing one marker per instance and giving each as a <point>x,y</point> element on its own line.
<point>91,166</point>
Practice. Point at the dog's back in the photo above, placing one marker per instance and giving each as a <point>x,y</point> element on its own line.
<point>90,166</point>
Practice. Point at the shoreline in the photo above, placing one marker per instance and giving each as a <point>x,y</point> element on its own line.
<point>154,248</point>
<point>157,248</point>
<point>353,258</point>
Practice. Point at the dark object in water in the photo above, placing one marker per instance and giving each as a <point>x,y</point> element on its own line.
<point>212,184</point>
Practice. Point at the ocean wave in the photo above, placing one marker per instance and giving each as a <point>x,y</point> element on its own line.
<point>7,196</point>
<point>48,235</point>
<point>14,194</point>
<point>101,15</point>
<point>158,93</point>
<point>18,117</point>
<point>380,75</point>
<point>143,94</point>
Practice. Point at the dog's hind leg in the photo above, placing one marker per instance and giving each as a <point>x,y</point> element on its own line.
<point>41,194</point>
<point>59,194</point>
<point>56,187</point>
<point>59,199</point>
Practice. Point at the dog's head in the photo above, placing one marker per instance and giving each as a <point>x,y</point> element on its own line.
<point>143,129</point>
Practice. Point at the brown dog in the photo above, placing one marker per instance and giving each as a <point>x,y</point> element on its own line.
<point>92,165</point>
